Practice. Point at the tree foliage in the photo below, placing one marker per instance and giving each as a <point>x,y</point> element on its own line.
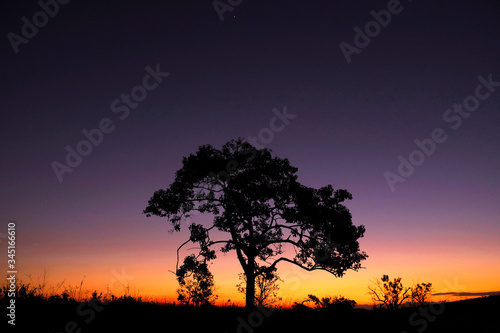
<point>420,293</point>
<point>389,294</point>
<point>256,200</point>
<point>392,294</point>
<point>266,288</point>
<point>196,283</point>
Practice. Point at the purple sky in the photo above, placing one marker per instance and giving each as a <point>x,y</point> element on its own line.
<point>353,120</point>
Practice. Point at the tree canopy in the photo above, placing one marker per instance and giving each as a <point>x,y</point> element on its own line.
<point>390,294</point>
<point>256,199</point>
<point>196,282</point>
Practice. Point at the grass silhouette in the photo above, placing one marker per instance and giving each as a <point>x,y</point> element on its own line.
<point>65,308</point>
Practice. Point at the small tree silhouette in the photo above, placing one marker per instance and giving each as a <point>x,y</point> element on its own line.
<point>196,283</point>
<point>420,293</point>
<point>266,288</point>
<point>390,294</point>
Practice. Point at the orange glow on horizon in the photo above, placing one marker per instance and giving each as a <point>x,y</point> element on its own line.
<point>153,280</point>
<point>144,256</point>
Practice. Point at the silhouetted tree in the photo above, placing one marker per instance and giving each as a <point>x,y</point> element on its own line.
<point>196,282</point>
<point>390,294</point>
<point>421,293</point>
<point>266,288</point>
<point>256,200</point>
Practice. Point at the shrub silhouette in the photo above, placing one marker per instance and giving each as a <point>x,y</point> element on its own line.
<point>389,294</point>
<point>335,303</point>
<point>196,283</point>
<point>421,293</point>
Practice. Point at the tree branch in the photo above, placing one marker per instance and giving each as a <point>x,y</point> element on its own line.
<point>220,241</point>
<point>178,249</point>
<point>309,269</point>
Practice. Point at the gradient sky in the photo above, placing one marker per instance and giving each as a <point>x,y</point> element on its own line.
<point>441,225</point>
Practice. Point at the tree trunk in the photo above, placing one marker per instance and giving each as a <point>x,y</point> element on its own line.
<point>250,275</point>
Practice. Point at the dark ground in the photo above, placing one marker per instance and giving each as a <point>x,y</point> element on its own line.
<point>36,315</point>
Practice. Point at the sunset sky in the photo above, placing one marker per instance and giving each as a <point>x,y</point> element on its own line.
<point>225,77</point>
